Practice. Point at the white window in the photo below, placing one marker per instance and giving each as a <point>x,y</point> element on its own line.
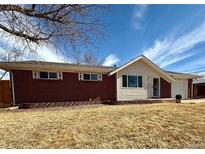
<point>131,81</point>
<point>47,75</point>
<point>90,77</point>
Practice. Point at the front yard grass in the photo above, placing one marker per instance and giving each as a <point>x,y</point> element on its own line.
<point>163,125</point>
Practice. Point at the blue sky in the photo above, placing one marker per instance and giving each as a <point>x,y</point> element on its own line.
<point>173,36</point>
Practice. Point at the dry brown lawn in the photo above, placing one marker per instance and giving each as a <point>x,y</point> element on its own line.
<point>166,125</point>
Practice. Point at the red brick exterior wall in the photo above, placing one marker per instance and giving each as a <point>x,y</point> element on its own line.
<point>29,90</point>
<point>165,89</point>
<point>199,90</point>
<point>194,90</point>
<point>190,91</point>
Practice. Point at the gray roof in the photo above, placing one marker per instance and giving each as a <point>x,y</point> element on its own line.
<point>177,73</point>
<point>41,65</point>
<point>57,64</point>
<point>32,63</point>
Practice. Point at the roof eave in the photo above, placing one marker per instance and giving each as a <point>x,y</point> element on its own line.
<point>125,65</point>
<point>56,68</point>
<point>149,62</point>
<point>177,76</point>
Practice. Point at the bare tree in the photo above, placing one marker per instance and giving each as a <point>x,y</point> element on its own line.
<point>76,56</point>
<point>34,25</point>
<point>10,54</point>
<point>91,59</point>
<point>7,55</point>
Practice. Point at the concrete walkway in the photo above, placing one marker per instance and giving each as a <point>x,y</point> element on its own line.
<point>202,100</point>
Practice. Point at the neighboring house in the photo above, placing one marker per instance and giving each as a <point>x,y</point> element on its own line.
<point>36,82</point>
<point>199,88</point>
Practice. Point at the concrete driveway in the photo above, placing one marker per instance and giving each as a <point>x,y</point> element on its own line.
<point>202,100</point>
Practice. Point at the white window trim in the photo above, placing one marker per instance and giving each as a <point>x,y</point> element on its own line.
<point>36,75</point>
<point>127,81</point>
<point>81,76</point>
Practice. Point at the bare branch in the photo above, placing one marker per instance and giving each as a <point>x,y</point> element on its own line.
<point>36,24</point>
<point>34,39</point>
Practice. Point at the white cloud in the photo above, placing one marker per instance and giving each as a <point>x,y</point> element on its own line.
<point>196,65</point>
<point>138,14</point>
<point>157,50</point>
<point>6,76</point>
<point>110,60</point>
<point>172,49</point>
<point>44,52</point>
<point>51,55</point>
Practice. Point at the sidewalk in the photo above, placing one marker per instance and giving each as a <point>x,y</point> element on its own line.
<point>202,100</point>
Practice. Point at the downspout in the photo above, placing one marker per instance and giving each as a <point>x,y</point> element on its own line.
<point>12,88</point>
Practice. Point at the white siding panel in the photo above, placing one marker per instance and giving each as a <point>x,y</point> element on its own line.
<point>137,68</point>
<point>132,94</point>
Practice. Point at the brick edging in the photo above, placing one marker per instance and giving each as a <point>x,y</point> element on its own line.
<point>79,103</point>
<point>56,104</point>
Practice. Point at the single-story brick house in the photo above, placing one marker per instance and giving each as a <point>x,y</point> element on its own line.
<point>36,82</point>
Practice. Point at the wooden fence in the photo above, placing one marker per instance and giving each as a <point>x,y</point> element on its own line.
<point>5,93</point>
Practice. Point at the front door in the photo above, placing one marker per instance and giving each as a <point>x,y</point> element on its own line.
<point>155,87</point>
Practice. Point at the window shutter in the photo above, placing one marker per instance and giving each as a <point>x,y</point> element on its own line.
<point>34,73</point>
<point>124,81</point>
<point>60,75</point>
<point>99,77</point>
<point>80,76</point>
<point>37,75</point>
<point>140,83</point>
